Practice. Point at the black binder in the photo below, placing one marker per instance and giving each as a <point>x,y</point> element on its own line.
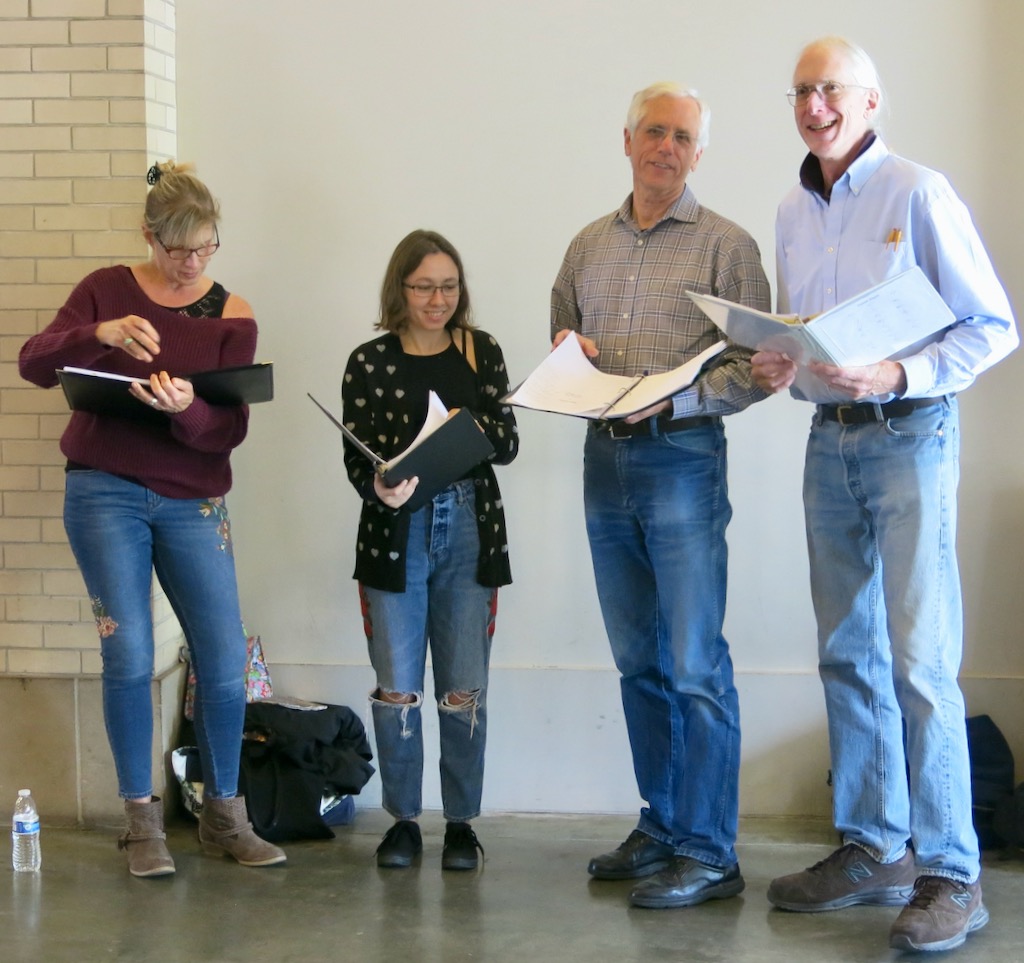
<point>443,457</point>
<point>103,393</point>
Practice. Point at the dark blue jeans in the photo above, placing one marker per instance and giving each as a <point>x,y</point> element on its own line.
<point>657,508</point>
<point>120,532</point>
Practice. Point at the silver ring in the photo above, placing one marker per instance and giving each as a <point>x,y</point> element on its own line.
<point>128,341</point>
<point>154,402</point>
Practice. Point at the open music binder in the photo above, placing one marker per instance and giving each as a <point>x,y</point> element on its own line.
<point>445,449</point>
<point>872,326</point>
<point>567,383</point>
<point>105,393</point>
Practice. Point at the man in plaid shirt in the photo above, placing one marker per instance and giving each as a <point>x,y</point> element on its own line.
<point>656,496</point>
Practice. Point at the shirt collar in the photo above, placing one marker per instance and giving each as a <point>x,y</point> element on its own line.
<point>870,156</point>
<point>685,210</point>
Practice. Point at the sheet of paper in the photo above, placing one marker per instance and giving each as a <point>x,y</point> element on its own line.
<point>437,415</point>
<point>105,374</point>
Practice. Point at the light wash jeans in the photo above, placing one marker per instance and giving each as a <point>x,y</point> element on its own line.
<point>445,608</point>
<point>119,532</point>
<point>880,502</point>
<point>656,510</point>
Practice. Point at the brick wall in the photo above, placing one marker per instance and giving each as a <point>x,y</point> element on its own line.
<point>86,104</point>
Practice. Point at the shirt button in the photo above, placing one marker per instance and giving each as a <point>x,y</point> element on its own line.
<point>830,249</point>
<point>632,277</point>
<point>828,290</point>
<point>639,242</point>
<point>626,314</point>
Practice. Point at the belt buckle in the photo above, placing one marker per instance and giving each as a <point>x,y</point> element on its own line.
<point>613,425</point>
<point>841,417</point>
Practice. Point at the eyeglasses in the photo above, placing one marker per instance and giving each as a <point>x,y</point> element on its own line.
<point>828,90</point>
<point>183,253</point>
<point>449,289</point>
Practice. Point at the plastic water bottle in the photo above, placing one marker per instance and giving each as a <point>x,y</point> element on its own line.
<point>26,857</point>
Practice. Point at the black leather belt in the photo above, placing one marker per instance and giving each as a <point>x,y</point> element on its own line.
<point>865,414</point>
<point>642,429</point>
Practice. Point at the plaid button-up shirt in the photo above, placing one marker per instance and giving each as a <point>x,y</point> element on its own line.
<point>625,288</point>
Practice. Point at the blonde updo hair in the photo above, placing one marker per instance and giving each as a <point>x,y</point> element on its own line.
<point>179,205</point>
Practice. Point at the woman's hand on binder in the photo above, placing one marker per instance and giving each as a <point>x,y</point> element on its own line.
<point>394,497</point>
<point>164,393</point>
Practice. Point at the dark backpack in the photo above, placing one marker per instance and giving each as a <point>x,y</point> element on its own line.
<point>991,778</point>
<point>1008,820</point>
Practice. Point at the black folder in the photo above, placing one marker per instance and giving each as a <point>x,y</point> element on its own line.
<point>443,457</point>
<point>103,393</point>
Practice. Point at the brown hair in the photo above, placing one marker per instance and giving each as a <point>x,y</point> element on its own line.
<point>408,256</point>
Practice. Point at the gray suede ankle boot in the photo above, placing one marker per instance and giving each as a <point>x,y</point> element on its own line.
<point>143,839</point>
<point>225,830</point>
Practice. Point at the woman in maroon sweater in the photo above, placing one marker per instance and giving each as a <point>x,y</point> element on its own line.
<point>149,494</point>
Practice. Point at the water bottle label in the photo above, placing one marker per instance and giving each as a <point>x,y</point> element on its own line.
<point>23,827</point>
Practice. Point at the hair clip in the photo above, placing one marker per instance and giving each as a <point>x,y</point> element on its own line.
<point>153,175</point>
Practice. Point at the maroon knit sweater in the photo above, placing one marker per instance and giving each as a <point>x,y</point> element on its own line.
<point>188,457</point>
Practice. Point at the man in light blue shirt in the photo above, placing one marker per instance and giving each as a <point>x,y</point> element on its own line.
<point>880,484</point>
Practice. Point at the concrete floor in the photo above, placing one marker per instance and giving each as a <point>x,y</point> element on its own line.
<point>532,901</point>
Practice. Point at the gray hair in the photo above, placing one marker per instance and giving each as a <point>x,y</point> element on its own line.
<point>865,73</point>
<point>667,88</point>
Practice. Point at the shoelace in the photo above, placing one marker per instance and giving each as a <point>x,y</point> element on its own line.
<point>928,892</point>
<point>835,857</point>
<point>391,836</point>
<point>463,835</point>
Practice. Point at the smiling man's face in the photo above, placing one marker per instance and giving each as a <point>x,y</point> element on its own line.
<point>663,148</point>
<point>833,132</point>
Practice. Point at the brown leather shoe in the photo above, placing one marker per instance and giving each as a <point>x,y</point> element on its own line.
<point>849,877</point>
<point>940,915</point>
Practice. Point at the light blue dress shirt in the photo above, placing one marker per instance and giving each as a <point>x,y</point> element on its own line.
<point>829,251</point>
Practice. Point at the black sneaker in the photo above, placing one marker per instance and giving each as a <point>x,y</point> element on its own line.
<point>460,846</point>
<point>401,844</point>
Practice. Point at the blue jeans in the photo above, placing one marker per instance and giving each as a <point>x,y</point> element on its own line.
<point>656,510</point>
<point>120,532</point>
<point>880,502</point>
<point>443,606</point>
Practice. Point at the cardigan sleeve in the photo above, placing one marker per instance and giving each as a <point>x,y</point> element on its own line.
<point>495,417</point>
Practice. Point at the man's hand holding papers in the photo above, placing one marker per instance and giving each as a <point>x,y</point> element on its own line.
<point>567,383</point>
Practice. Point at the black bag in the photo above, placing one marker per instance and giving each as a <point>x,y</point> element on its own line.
<point>991,777</point>
<point>290,758</point>
<point>1008,820</point>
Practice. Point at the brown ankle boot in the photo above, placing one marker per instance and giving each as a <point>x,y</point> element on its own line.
<point>143,839</point>
<point>225,830</point>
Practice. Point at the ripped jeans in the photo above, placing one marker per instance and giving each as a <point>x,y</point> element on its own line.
<point>444,607</point>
